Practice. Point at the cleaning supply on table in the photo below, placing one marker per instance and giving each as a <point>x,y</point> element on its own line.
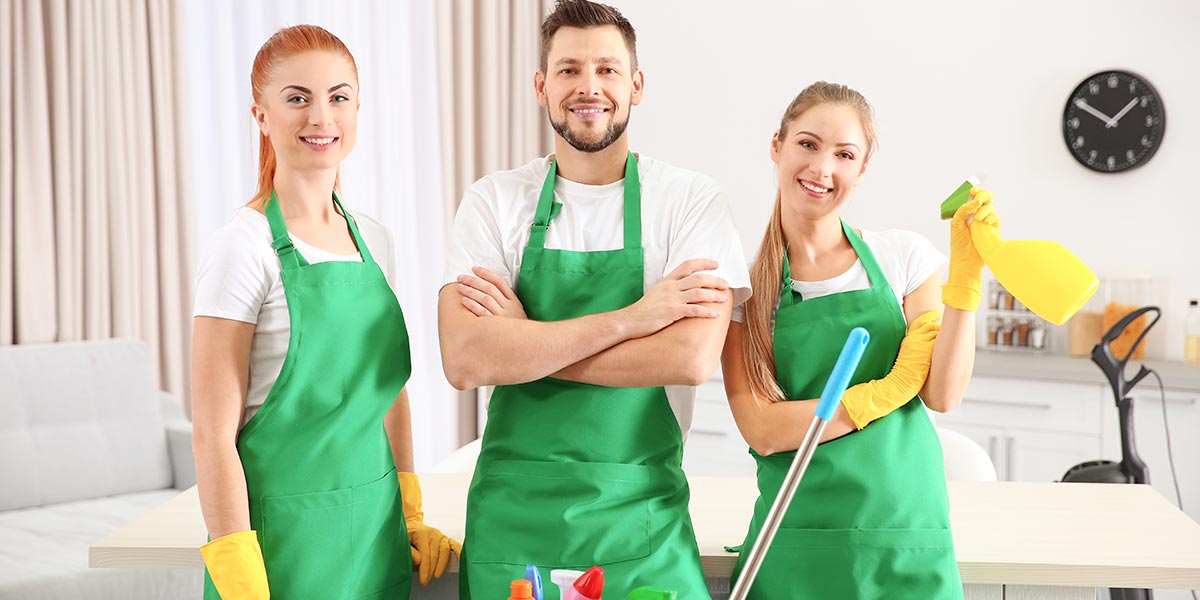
<point>534,575</point>
<point>520,589</point>
<point>564,578</point>
<point>1046,277</point>
<point>652,593</point>
<point>573,585</point>
<point>1191,334</point>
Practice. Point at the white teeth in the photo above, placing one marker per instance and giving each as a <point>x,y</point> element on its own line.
<point>319,141</point>
<point>587,111</point>
<point>814,187</point>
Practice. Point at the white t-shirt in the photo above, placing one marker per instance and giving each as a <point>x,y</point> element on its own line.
<point>907,260</point>
<point>684,216</point>
<point>239,279</point>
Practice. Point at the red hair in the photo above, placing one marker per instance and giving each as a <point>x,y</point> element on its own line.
<point>286,43</point>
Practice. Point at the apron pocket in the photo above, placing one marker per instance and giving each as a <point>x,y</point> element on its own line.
<point>908,563</point>
<point>306,540</point>
<point>859,563</point>
<point>560,514</point>
<point>383,558</point>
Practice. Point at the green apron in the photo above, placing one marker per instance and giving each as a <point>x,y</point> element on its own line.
<point>871,516</point>
<point>322,484</point>
<point>572,475</point>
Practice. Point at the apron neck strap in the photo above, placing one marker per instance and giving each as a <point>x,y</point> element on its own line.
<point>632,206</point>
<point>289,257</point>
<point>870,265</point>
<point>358,240</point>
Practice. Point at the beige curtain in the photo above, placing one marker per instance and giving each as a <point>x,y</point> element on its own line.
<point>93,239</point>
<point>488,51</point>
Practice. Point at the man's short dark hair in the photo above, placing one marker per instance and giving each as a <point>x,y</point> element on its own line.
<point>584,14</point>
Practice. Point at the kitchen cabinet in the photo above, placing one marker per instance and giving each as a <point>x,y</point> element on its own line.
<point>1033,430</point>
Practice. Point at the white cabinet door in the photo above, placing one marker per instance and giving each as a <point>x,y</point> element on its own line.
<point>1030,404</point>
<point>1029,455</point>
<point>1039,456</point>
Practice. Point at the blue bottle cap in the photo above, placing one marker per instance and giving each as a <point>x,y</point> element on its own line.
<point>534,575</point>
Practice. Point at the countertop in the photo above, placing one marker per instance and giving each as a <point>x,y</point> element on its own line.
<point>1047,534</point>
<point>1059,367</point>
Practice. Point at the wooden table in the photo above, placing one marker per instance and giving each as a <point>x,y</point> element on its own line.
<point>1012,540</point>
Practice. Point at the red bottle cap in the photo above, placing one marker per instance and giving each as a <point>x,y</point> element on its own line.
<point>591,583</point>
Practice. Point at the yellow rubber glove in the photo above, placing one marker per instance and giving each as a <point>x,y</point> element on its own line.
<point>235,563</point>
<point>430,547</point>
<point>877,398</point>
<point>963,288</point>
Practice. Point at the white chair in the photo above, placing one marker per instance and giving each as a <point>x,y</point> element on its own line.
<point>965,460</point>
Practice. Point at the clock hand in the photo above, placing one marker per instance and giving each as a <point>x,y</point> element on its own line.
<point>1113,122</point>
<point>1081,103</point>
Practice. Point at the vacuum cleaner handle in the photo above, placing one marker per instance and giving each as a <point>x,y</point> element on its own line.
<point>1114,368</point>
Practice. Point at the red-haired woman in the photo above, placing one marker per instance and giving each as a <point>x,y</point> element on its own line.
<point>871,518</point>
<point>300,356</point>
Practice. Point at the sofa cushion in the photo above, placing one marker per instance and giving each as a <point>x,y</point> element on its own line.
<point>79,420</point>
<point>45,553</point>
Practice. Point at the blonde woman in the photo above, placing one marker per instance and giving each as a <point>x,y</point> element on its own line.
<point>870,519</point>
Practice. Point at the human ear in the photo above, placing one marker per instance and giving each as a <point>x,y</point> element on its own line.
<point>539,87</point>
<point>260,118</point>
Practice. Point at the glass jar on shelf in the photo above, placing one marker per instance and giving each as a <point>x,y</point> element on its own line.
<point>1023,326</point>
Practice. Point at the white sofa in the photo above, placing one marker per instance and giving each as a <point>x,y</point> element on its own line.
<point>86,444</point>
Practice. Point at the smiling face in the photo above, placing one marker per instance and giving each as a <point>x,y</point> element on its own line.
<point>821,156</point>
<point>309,110</point>
<point>589,86</point>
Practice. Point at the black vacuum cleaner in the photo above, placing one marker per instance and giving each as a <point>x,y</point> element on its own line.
<point>1131,469</point>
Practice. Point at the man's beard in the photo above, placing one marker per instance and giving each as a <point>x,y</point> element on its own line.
<point>614,131</point>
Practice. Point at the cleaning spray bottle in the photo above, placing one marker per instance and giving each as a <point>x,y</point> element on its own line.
<point>1046,277</point>
<point>573,585</point>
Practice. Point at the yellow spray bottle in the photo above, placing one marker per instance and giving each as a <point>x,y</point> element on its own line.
<point>1045,276</point>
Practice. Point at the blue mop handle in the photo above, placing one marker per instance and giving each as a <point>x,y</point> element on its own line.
<point>839,379</point>
<point>835,386</point>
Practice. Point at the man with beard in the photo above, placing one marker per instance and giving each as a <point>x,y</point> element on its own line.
<point>593,288</point>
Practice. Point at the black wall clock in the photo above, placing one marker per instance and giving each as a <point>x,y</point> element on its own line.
<point>1114,121</point>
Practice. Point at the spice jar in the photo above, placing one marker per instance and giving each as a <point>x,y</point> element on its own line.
<point>1037,337</point>
<point>1023,327</point>
<point>993,331</point>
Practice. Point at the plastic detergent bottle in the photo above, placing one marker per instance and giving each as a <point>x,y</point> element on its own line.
<point>520,589</point>
<point>573,585</point>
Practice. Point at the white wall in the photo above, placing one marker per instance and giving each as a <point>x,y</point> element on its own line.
<point>958,88</point>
